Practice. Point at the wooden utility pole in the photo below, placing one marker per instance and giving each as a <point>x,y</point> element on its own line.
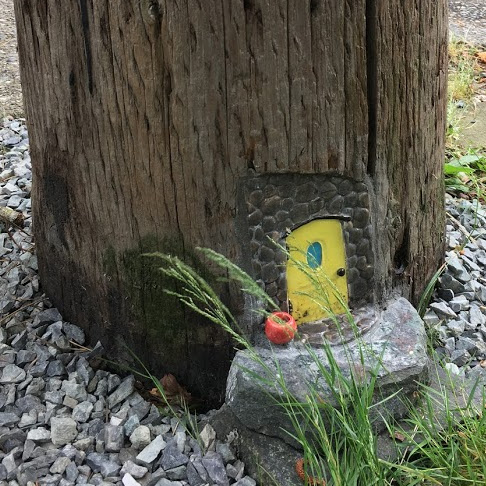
<point>146,117</point>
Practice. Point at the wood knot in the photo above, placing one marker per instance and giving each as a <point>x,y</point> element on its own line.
<point>151,11</point>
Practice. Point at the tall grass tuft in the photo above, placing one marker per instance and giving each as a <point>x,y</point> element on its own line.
<point>338,439</point>
<point>337,435</point>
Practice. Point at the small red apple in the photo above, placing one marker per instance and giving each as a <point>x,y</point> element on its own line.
<point>280,327</point>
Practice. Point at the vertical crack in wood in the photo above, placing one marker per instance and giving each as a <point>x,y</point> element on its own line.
<point>87,47</point>
<point>289,78</point>
<point>372,81</point>
<point>401,259</point>
<point>226,101</point>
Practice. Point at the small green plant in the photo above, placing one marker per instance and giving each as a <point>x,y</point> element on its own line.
<point>464,174</point>
<point>454,126</point>
<point>463,67</point>
<point>446,434</point>
<point>429,290</point>
<point>463,74</point>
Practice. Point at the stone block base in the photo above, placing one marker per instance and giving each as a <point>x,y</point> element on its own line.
<point>394,349</point>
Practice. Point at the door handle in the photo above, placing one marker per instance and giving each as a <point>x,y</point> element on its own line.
<point>341,272</point>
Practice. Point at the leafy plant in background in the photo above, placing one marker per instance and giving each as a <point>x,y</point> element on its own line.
<point>465,174</point>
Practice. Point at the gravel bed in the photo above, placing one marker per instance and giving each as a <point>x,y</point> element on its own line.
<point>457,313</point>
<point>64,421</point>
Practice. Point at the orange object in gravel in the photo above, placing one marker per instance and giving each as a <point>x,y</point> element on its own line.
<point>280,327</point>
<point>311,481</point>
<point>482,56</point>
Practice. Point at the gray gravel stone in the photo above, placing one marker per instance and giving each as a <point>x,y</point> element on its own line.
<point>457,269</point>
<point>172,457</point>
<point>113,382</point>
<point>447,281</point>
<point>63,430</point>
<point>456,327</point>
<point>84,444</point>
<point>140,437</point>
<point>69,402</point>
<point>55,368</point>
<point>114,438</point>
<point>39,369</point>
<point>213,463</point>
<point>71,472</point>
<point>442,309</point>
<point>233,472</point>
<point>130,425</point>
<point>8,419</point>
<point>431,319</point>
<point>156,476</point>
<point>101,463</point>
<point>19,341</point>
<point>225,451</point>
<point>129,480</point>
<point>150,453</point>
<point>246,481</point>
<point>39,434</point>
<point>56,397</point>
<point>85,372</point>
<point>125,389</point>
<point>134,470</point>
<point>82,411</point>
<point>481,293</point>
<point>168,482</point>
<point>74,390</point>
<point>60,465</point>
<point>476,317</point>
<point>450,345</point>
<point>177,473</point>
<point>73,333</point>
<point>470,264</point>
<point>10,463</point>
<point>12,374</point>
<point>208,437</point>
<point>460,357</point>
<point>24,356</point>
<point>140,410</point>
<point>459,303</point>
<point>193,476</point>
<point>465,343</point>
<point>153,418</point>
<point>28,419</point>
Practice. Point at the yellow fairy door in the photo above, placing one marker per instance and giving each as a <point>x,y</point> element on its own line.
<point>316,270</point>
